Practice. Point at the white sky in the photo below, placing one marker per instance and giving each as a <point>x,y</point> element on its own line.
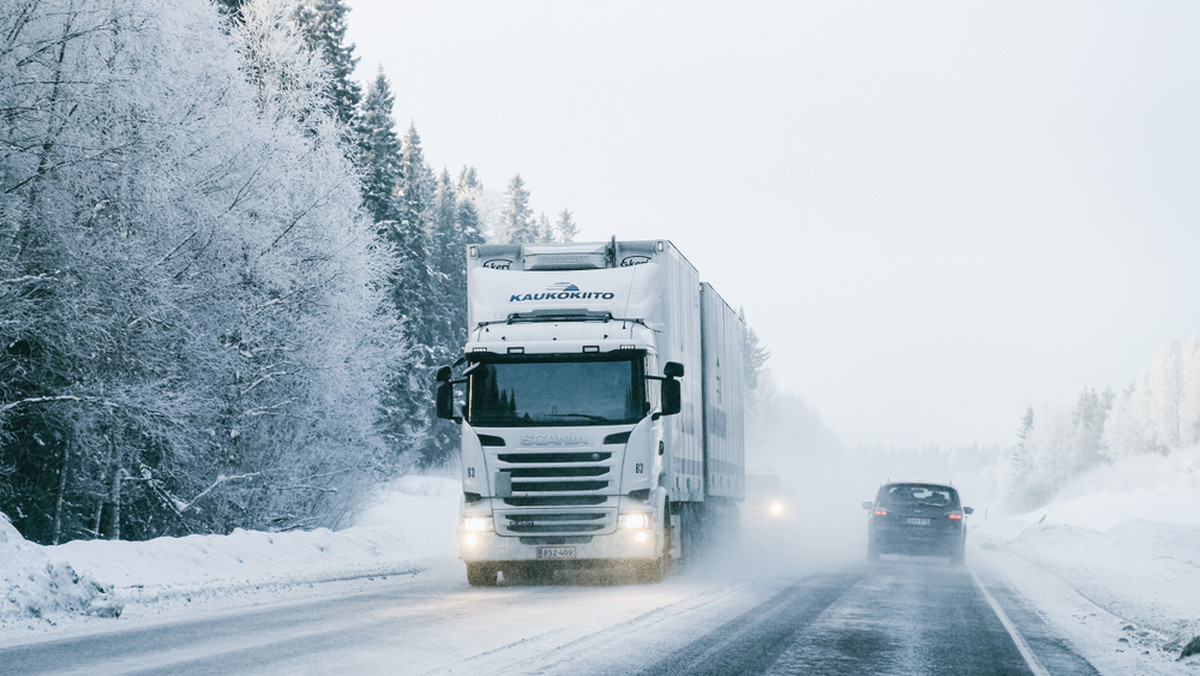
<point>934,214</point>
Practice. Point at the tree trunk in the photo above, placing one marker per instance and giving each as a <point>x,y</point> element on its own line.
<point>110,526</point>
<point>56,528</point>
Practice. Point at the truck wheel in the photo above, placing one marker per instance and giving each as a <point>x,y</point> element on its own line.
<point>481,575</point>
<point>651,572</point>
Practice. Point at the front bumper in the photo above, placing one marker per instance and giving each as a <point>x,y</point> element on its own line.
<point>620,545</point>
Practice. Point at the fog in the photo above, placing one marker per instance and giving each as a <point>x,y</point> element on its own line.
<point>934,215</point>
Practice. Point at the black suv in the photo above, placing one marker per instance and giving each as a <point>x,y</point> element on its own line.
<point>918,519</point>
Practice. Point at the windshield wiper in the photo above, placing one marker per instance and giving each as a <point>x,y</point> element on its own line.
<point>585,416</point>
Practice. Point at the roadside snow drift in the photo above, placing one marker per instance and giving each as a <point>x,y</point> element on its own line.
<point>410,529</point>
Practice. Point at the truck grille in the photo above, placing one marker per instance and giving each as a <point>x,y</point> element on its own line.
<point>558,493</point>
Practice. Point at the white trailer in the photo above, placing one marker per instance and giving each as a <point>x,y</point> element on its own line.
<point>600,398</point>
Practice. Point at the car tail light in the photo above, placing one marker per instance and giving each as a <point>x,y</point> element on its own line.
<point>955,516</point>
<point>879,511</point>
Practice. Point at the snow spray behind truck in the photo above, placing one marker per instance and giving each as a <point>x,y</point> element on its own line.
<point>600,397</point>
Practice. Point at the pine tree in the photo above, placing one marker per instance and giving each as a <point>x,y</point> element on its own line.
<point>409,401</point>
<point>542,229</point>
<point>518,217</point>
<point>485,213</point>
<point>379,152</point>
<point>566,227</point>
<point>323,23</point>
<point>756,356</point>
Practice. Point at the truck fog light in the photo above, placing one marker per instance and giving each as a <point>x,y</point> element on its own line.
<point>641,536</point>
<point>470,540</point>
<point>631,521</point>
<point>478,524</point>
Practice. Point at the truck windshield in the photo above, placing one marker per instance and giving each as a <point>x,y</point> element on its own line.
<point>541,392</point>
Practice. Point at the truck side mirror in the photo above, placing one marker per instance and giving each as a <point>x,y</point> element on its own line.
<point>445,394</point>
<point>672,400</point>
<point>673,369</point>
<point>445,401</point>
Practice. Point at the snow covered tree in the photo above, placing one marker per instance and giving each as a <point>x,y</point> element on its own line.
<point>566,228</point>
<point>453,226</point>
<point>543,233</point>
<point>518,217</point>
<point>409,403</point>
<point>323,23</point>
<point>1161,411</point>
<point>756,356</point>
<point>379,152</point>
<point>487,206</point>
<point>191,298</point>
<point>1091,411</point>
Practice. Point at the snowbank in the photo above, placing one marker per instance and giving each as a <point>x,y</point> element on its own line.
<point>1132,550</point>
<point>36,586</point>
<point>409,530</point>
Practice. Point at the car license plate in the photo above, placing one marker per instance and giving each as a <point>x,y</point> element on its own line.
<point>917,522</point>
<point>552,553</point>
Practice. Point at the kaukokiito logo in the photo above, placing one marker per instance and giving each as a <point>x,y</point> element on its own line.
<point>562,291</point>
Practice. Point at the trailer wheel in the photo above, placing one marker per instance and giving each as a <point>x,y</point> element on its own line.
<point>481,575</point>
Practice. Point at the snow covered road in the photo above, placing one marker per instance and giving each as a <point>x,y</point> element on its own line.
<point>902,616</point>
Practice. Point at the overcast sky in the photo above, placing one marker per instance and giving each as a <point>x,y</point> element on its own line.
<point>933,214</point>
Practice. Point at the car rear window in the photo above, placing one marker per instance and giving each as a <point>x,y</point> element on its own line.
<point>925,494</point>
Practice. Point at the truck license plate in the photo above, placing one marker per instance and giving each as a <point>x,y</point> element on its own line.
<point>549,553</point>
<point>918,522</point>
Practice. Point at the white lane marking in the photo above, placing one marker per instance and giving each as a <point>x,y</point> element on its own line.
<point>1035,665</point>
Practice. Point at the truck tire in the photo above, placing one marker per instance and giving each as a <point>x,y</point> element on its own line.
<point>481,575</point>
<point>651,572</point>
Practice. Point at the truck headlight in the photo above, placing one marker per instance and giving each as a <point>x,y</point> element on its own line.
<point>478,524</point>
<point>634,521</point>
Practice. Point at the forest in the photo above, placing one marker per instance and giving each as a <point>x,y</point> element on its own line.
<point>225,279</point>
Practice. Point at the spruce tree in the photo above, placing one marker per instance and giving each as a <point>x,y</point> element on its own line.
<point>542,229</point>
<point>566,228</point>
<point>379,152</point>
<point>409,402</point>
<point>518,218</point>
<point>323,24</point>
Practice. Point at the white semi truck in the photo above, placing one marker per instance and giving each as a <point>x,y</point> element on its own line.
<point>600,397</point>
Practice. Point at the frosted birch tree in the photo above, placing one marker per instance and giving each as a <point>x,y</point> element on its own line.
<point>192,298</point>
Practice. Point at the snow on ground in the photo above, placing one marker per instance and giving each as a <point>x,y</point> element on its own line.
<point>1132,551</point>
<point>1117,569</point>
<point>83,584</point>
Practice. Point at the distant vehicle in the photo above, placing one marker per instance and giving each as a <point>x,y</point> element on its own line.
<point>917,519</point>
<point>767,499</point>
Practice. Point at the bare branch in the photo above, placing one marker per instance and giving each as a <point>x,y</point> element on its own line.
<point>62,397</point>
<point>220,480</point>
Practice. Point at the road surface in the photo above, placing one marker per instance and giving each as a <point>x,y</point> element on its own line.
<point>901,616</point>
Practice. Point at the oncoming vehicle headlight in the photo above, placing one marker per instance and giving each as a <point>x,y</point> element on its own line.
<point>776,508</point>
<point>635,520</point>
<point>478,524</point>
